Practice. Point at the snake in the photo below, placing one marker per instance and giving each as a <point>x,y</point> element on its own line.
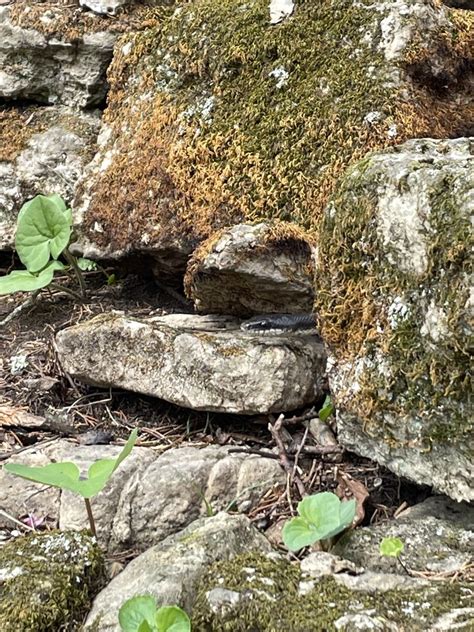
<point>268,323</point>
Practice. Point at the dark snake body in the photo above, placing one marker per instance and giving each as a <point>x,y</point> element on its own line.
<point>286,322</point>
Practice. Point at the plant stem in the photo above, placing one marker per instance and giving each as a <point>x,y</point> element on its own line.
<point>90,516</point>
<point>403,566</point>
<point>73,263</point>
<point>67,290</point>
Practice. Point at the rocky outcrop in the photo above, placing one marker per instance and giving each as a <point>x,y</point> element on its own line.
<point>253,269</point>
<point>396,316</point>
<point>149,497</point>
<point>172,570</point>
<point>204,363</point>
<point>216,116</point>
<point>42,150</point>
<point>48,580</point>
<point>59,54</point>
<point>324,593</point>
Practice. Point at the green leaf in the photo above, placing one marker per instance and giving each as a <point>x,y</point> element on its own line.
<point>43,231</point>
<point>137,610</point>
<point>66,475</point>
<point>172,619</point>
<point>145,627</point>
<point>86,264</point>
<point>391,547</point>
<point>327,410</point>
<point>24,281</point>
<point>111,279</point>
<point>322,516</point>
<point>298,533</point>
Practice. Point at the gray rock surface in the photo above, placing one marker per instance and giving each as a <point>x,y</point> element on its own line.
<point>48,580</point>
<point>149,497</point>
<point>42,150</point>
<point>171,571</point>
<point>45,67</point>
<point>204,363</point>
<point>253,269</point>
<point>438,537</point>
<point>398,322</point>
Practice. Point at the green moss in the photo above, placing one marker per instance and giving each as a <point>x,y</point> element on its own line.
<point>425,380</point>
<point>225,135</point>
<point>271,602</point>
<point>50,581</point>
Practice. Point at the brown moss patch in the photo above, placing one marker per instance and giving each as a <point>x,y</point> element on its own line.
<point>220,140</point>
<point>69,22</point>
<point>17,126</point>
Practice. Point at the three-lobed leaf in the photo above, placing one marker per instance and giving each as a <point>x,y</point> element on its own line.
<point>67,476</point>
<point>172,619</point>
<point>139,614</point>
<point>25,281</point>
<point>321,517</point>
<point>137,611</point>
<point>43,231</point>
<point>391,547</point>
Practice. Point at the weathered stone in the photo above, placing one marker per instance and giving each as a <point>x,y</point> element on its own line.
<point>105,7</point>
<point>438,537</point>
<point>257,592</point>
<point>396,315</point>
<point>204,363</point>
<point>149,497</point>
<point>48,581</point>
<point>217,117</point>
<point>42,150</point>
<point>171,571</point>
<point>253,269</point>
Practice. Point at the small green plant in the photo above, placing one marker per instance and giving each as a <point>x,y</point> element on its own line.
<point>393,547</point>
<point>321,517</point>
<point>140,614</point>
<point>66,475</point>
<point>327,409</point>
<point>43,233</point>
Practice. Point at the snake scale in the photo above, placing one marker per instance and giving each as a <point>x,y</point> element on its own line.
<point>267,323</point>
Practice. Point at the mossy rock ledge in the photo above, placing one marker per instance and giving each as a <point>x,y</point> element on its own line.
<point>216,117</point>
<point>48,581</point>
<point>395,306</point>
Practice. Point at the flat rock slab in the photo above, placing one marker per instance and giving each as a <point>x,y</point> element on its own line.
<point>199,362</point>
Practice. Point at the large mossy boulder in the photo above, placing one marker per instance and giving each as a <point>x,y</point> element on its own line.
<point>215,116</point>
<point>48,581</point>
<point>395,306</point>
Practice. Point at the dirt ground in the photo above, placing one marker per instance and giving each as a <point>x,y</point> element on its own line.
<point>32,380</point>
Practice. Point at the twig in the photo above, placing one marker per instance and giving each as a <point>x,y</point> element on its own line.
<point>283,457</point>
<point>298,451</point>
<point>311,414</point>
<point>20,524</point>
<point>20,308</point>
<point>7,455</point>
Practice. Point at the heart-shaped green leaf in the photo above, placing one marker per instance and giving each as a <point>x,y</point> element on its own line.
<point>322,516</point>
<point>136,611</point>
<point>66,475</point>
<point>43,231</point>
<point>24,281</point>
<point>172,619</point>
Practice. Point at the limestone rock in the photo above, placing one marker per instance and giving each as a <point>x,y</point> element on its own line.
<point>253,269</point>
<point>396,317</point>
<point>216,117</point>
<point>149,497</point>
<point>42,150</point>
<point>105,7</point>
<point>48,580</point>
<point>437,534</point>
<point>203,363</point>
<point>38,62</point>
<point>266,592</point>
<point>171,571</point>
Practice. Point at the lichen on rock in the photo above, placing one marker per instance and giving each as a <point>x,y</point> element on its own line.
<point>48,580</point>
<point>394,302</point>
